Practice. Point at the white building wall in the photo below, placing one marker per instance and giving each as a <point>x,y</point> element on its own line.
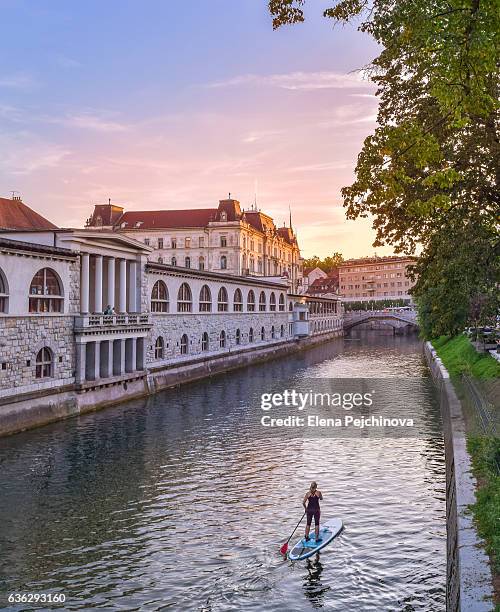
<point>172,325</point>
<point>23,334</point>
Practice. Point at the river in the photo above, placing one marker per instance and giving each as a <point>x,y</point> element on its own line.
<point>181,501</point>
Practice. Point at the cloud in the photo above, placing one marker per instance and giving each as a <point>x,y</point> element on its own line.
<point>364,95</point>
<point>261,135</point>
<point>296,81</point>
<point>17,81</point>
<point>90,121</point>
<point>67,62</point>
<point>30,158</point>
<point>322,167</point>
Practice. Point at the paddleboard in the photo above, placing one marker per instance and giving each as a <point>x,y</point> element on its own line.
<point>304,549</point>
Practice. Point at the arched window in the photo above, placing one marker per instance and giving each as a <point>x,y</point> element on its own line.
<point>251,301</point>
<point>238,336</point>
<point>44,363</point>
<point>222,303</point>
<point>187,262</point>
<point>282,302</point>
<point>273,332</point>
<point>250,335</point>
<point>222,339</point>
<point>204,342</point>
<point>282,331</point>
<point>184,344</point>
<point>238,301</point>
<point>262,333</point>
<point>272,302</point>
<point>160,259</point>
<point>201,262</point>
<point>262,302</point>
<point>159,348</point>
<point>159,297</point>
<point>174,261</point>
<point>45,292</point>
<point>205,299</point>
<point>184,298</point>
<point>223,262</point>
<point>4,293</point>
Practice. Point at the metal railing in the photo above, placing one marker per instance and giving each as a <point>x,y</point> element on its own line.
<point>485,411</point>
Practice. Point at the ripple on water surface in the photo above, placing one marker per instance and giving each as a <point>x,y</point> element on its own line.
<point>181,502</point>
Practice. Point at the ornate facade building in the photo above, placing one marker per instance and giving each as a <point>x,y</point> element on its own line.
<point>89,318</point>
<point>225,239</point>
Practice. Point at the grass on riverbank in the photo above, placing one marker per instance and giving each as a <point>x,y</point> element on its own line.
<point>484,450</point>
<point>460,357</point>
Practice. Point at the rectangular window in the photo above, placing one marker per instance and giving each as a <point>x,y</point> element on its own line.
<point>223,241</point>
<point>201,241</point>
<point>187,243</point>
<point>174,243</point>
<point>146,241</point>
<point>160,243</point>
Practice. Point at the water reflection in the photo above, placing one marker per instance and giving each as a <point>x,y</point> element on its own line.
<point>180,500</point>
<point>314,589</point>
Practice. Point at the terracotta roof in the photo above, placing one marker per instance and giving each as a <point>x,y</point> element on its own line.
<point>160,219</point>
<point>105,214</point>
<point>262,222</point>
<point>14,214</point>
<point>231,208</point>
<point>255,219</point>
<point>323,285</point>
<point>376,260</point>
<point>287,234</point>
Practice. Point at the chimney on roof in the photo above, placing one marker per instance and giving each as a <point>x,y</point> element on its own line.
<point>16,198</point>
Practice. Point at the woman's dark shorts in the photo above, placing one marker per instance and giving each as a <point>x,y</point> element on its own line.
<point>310,515</point>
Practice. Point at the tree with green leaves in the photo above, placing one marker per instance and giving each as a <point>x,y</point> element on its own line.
<point>429,174</point>
<point>328,264</point>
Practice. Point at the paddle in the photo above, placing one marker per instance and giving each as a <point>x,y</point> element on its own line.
<point>284,548</point>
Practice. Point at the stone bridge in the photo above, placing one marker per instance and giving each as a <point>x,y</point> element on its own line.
<point>395,319</point>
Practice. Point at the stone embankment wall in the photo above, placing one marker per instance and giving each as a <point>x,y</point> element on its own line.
<point>30,410</point>
<point>469,581</point>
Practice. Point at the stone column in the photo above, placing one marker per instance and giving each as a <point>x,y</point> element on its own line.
<point>98,283</point>
<point>84,283</point>
<point>130,354</point>
<point>106,358</point>
<point>80,363</point>
<point>122,357</point>
<point>132,290</point>
<point>123,285</point>
<point>97,360</point>
<point>111,281</point>
<point>141,354</point>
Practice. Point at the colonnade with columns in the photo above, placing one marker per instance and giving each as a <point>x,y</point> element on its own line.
<point>100,359</point>
<point>106,280</point>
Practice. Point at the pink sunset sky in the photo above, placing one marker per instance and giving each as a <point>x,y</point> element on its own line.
<point>173,105</point>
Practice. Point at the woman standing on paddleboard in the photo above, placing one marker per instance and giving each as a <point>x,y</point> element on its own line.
<point>311,506</point>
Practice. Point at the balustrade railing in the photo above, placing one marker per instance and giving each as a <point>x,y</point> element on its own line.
<point>102,320</point>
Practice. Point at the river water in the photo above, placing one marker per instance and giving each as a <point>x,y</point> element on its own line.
<point>181,501</point>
